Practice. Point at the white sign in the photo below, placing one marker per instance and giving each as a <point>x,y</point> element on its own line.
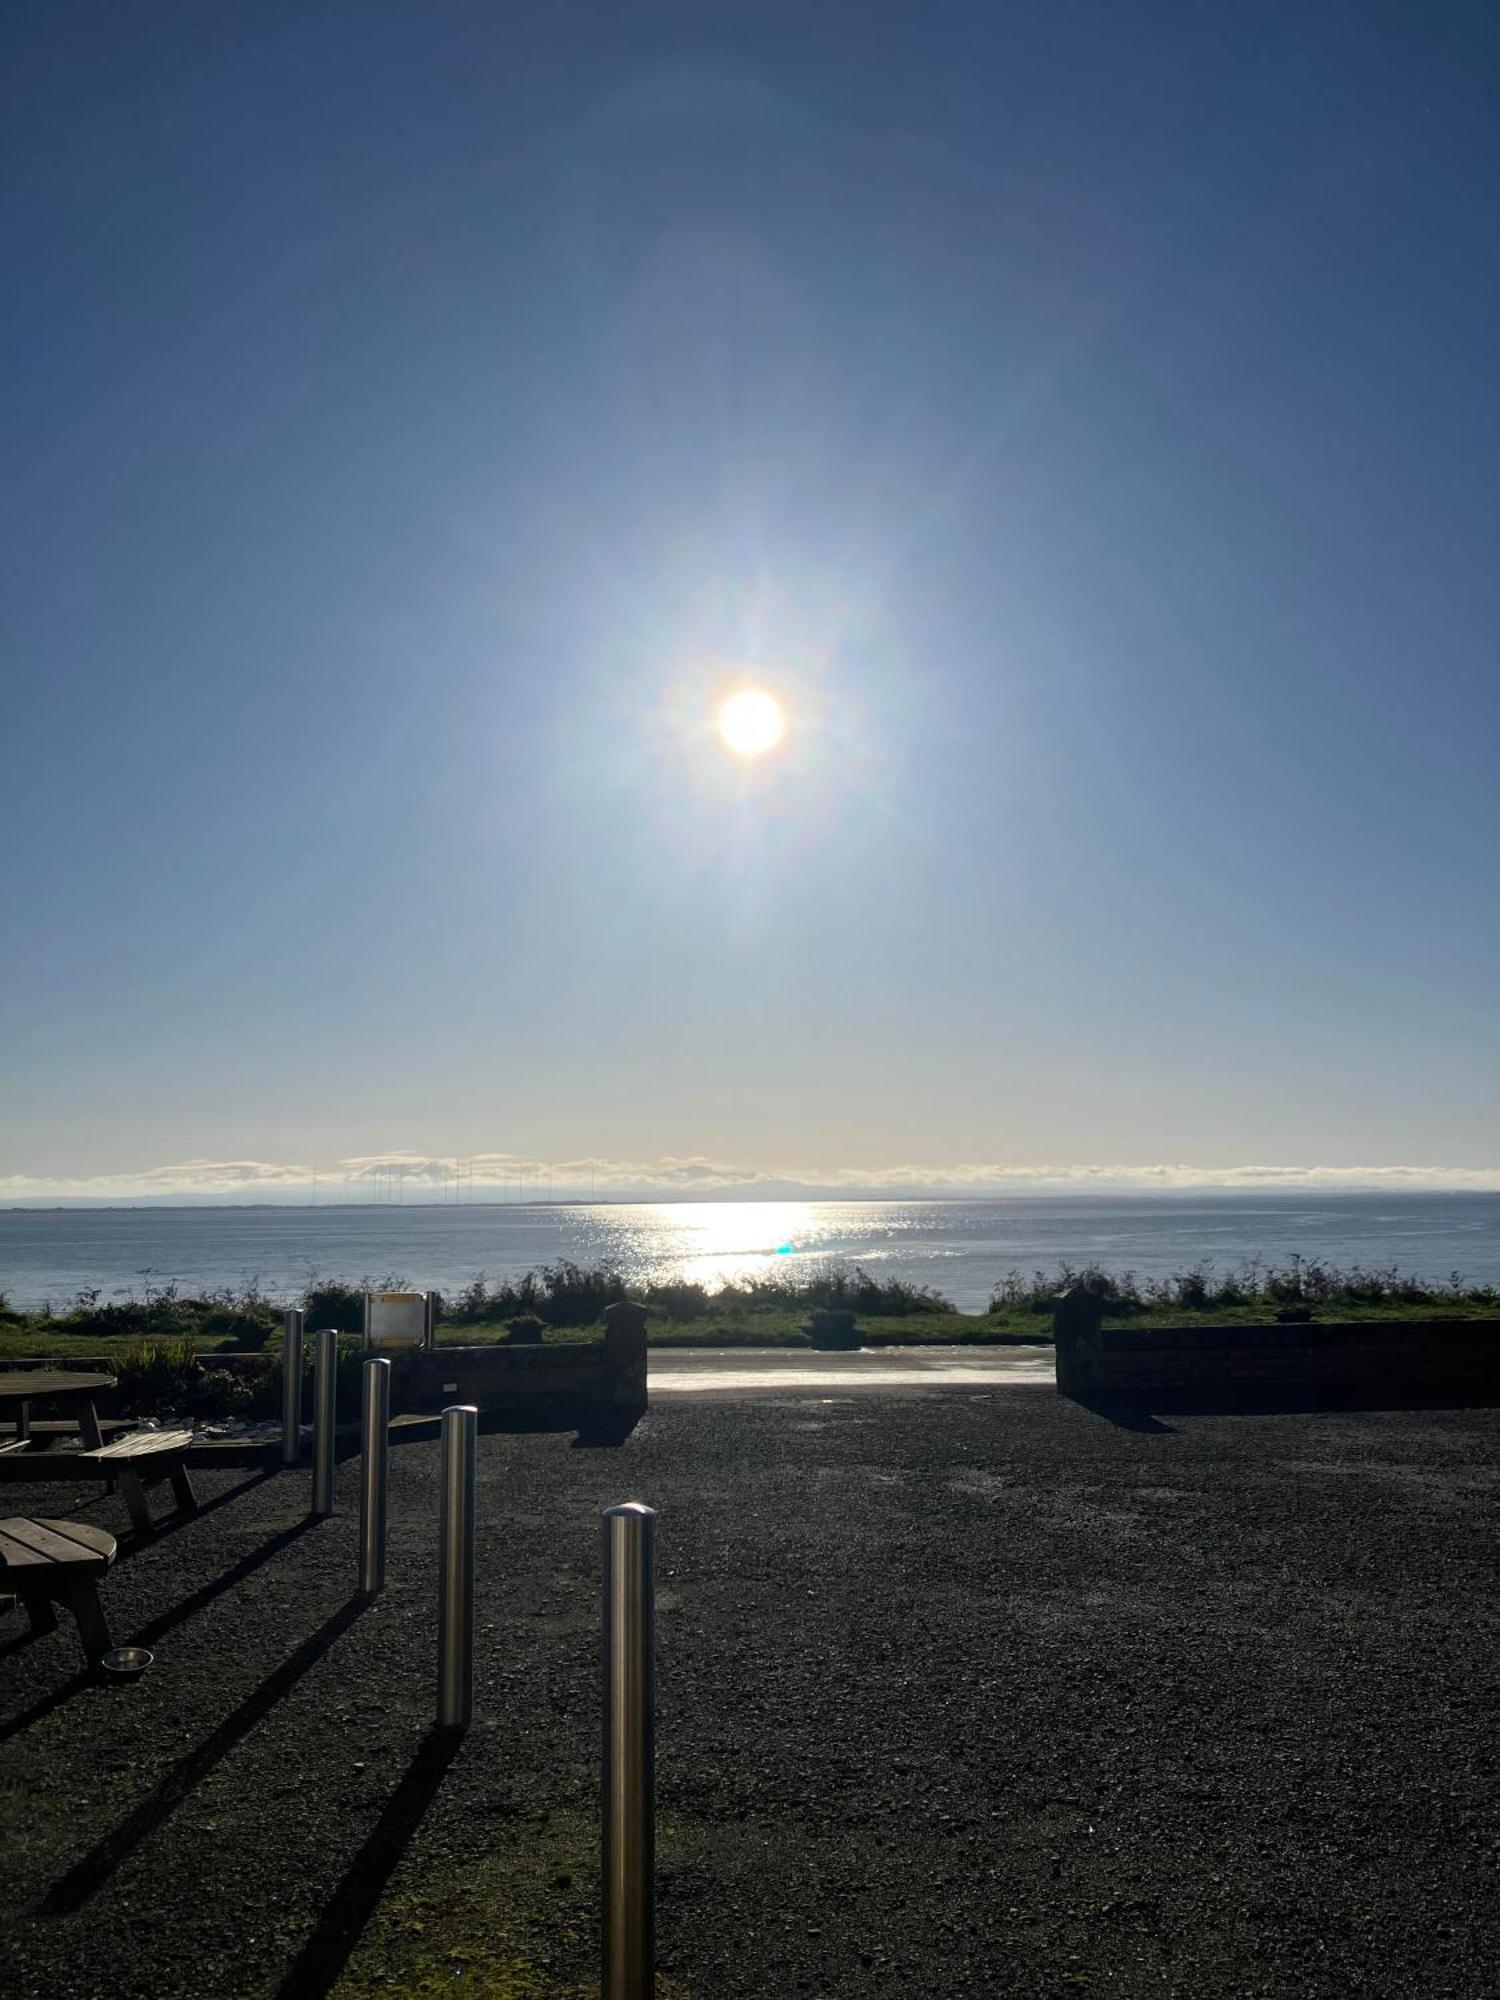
<point>395,1320</point>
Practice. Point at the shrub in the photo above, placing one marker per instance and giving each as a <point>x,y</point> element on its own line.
<point>575,1295</point>
<point>1200,1289</point>
<point>219,1393</point>
<point>247,1331</point>
<point>158,1313</point>
<point>526,1330</point>
<point>678,1298</point>
<point>481,1302</point>
<point>471,1304</point>
<point>157,1377</point>
<point>336,1303</point>
<point>840,1286</point>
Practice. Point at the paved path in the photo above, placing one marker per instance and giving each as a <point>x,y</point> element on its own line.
<point>742,1371</point>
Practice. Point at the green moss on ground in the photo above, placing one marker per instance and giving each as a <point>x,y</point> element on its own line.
<point>517,1923</point>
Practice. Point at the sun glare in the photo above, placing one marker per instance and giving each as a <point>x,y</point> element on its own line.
<point>752,722</point>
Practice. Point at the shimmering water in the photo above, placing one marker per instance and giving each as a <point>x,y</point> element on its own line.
<point>961,1247</point>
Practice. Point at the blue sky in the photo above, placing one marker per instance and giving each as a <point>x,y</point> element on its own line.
<point>1082,417</point>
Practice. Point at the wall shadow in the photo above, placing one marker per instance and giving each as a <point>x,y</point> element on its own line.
<point>90,1874</point>
<point>608,1437</point>
<point>1135,1413</point>
<point>319,1965</point>
<point>1127,1416</point>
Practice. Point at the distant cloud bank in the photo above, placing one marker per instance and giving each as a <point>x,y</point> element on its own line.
<point>487,1176</point>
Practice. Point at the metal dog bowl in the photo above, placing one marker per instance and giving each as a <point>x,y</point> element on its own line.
<point>126,1663</point>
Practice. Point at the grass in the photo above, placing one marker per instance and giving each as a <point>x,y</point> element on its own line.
<point>772,1311</point>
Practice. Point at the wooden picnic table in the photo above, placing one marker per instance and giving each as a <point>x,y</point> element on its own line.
<point>58,1562</point>
<point>21,1387</point>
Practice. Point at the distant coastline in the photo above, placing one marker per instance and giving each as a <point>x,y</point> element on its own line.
<point>751,1193</point>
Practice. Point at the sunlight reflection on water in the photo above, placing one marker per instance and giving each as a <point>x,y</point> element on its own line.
<point>963,1248</point>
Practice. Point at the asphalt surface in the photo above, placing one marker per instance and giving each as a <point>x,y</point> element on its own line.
<point>971,1692</point>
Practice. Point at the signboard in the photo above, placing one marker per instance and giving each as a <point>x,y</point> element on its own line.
<point>395,1321</point>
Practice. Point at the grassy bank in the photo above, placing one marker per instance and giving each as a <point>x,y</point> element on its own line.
<point>566,1301</point>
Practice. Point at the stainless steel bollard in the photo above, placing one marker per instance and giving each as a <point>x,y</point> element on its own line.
<point>455,1692</point>
<point>430,1304</point>
<point>291,1386</point>
<point>325,1393</point>
<point>629,1753</point>
<point>374,1460</point>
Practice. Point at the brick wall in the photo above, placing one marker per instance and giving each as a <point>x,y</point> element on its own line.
<point>597,1385</point>
<point>1321,1361</point>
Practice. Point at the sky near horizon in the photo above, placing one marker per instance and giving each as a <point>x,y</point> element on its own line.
<point>1082,418</point>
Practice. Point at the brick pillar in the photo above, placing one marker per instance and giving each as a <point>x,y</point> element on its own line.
<point>1076,1314</point>
<point>625,1357</point>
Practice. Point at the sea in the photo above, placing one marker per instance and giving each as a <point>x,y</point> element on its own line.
<point>961,1248</point>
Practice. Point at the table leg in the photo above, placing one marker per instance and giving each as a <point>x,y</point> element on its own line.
<point>93,1629</point>
<point>93,1437</point>
<point>182,1490</point>
<point>135,1500</point>
<point>43,1617</point>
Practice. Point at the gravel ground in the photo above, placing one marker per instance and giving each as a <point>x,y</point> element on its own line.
<point>966,1692</point>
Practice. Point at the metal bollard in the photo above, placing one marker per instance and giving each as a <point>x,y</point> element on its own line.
<point>629,1753</point>
<point>430,1302</point>
<point>325,1393</point>
<point>291,1386</point>
<point>455,1691</point>
<point>374,1459</point>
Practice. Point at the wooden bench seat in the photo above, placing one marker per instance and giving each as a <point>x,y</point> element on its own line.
<point>58,1562</point>
<point>138,1460</point>
<point>145,1458</point>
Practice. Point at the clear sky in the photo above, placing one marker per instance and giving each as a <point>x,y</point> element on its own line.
<point>418,418</point>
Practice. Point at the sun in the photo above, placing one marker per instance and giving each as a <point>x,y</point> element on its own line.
<point>752,722</point>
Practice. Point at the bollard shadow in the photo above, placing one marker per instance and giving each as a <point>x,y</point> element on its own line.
<point>86,1877</point>
<point>156,1628</point>
<point>318,1966</point>
<point>176,1523</point>
<point>237,1573</point>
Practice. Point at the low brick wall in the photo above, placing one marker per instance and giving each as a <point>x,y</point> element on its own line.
<point>595,1386</point>
<point>1316,1362</point>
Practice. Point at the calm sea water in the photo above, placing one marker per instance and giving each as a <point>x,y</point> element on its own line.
<point>961,1247</point>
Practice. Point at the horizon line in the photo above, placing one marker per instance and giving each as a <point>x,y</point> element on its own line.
<point>1089,1183</point>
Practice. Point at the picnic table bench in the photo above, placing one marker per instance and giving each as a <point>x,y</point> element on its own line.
<point>137,1461</point>
<point>72,1391</point>
<point>58,1562</point>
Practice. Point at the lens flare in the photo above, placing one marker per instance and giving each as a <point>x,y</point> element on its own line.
<point>752,722</point>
